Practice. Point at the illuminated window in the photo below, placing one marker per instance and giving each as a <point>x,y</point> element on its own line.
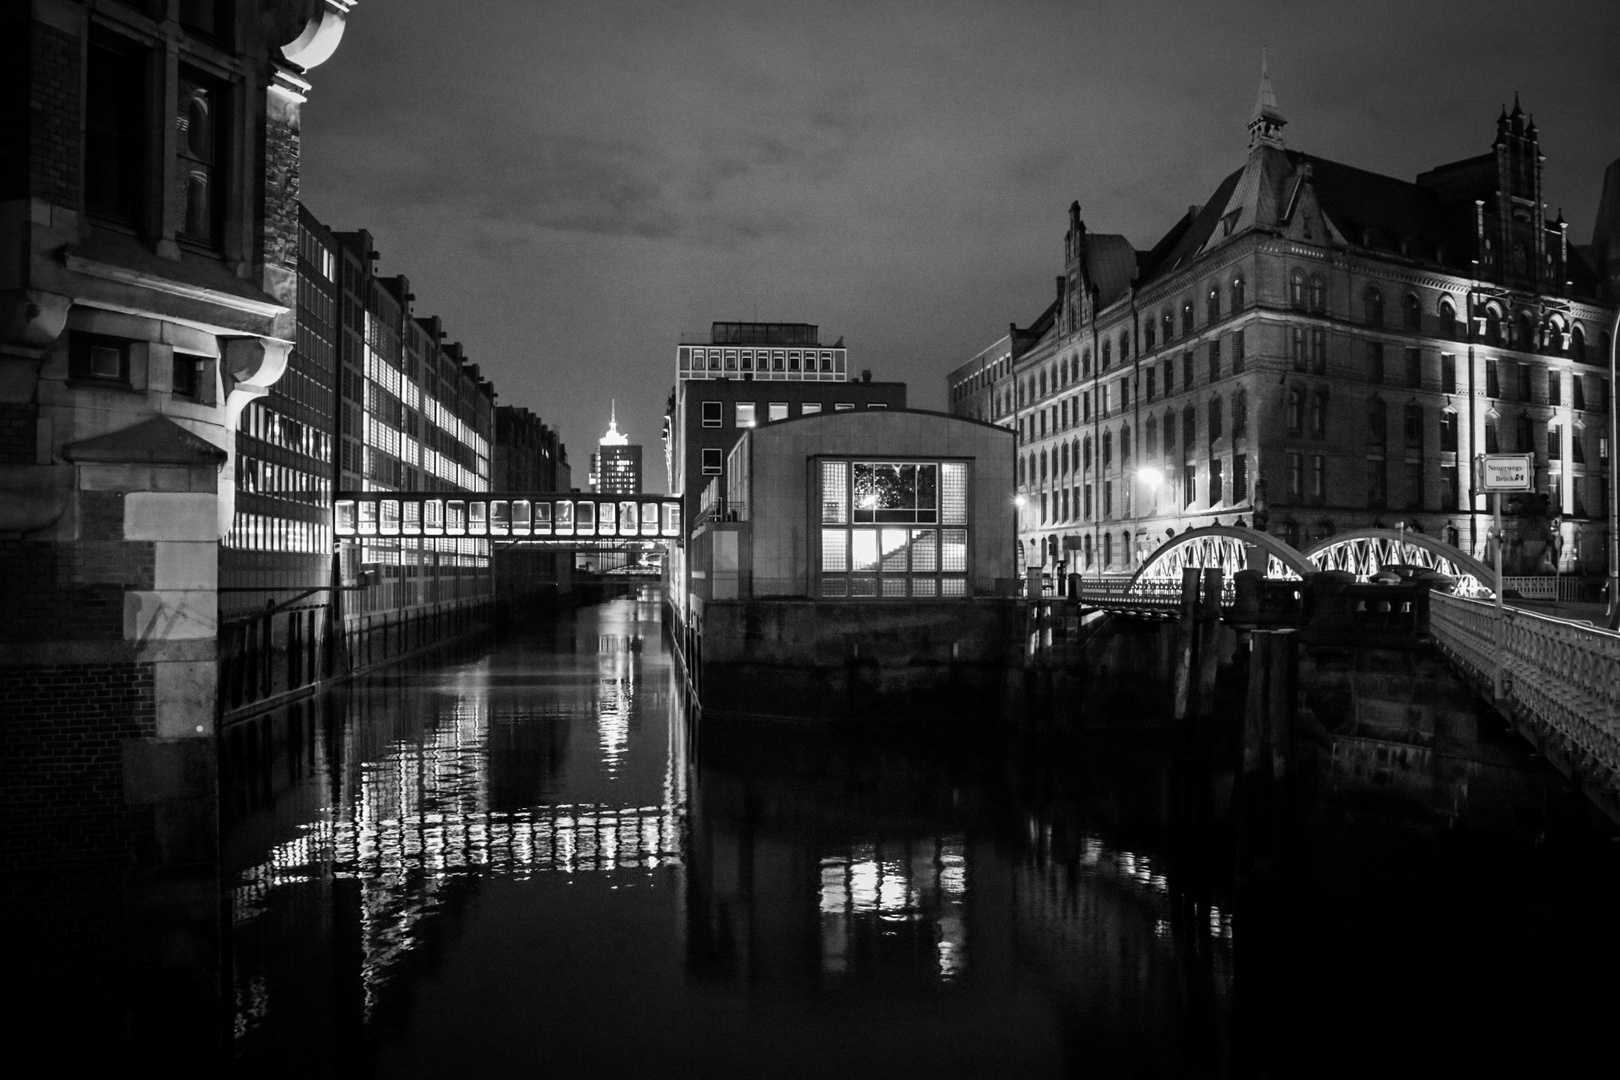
<point>777,410</point>
<point>880,522</point>
<point>809,408</point>
<point>745,414</point>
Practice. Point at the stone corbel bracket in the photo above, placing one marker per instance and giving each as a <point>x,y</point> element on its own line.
<point>31,320</point>
<point>321,36</point>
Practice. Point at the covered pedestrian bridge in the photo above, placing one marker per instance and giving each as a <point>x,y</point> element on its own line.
<point>573,521</point>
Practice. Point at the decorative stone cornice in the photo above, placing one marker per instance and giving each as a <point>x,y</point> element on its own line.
<point>124,276</point>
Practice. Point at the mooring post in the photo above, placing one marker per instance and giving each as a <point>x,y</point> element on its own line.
<point>1209,618</point>
<point>1186,635</point>
<point>1256,725</point>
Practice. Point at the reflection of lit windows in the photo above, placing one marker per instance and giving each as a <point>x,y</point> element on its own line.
<point>893,890</point>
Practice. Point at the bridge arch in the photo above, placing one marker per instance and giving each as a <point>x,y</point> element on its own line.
<point>1367,551</point>
<point>1224,546</point>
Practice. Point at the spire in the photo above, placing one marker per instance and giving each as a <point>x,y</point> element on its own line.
<point>613,438</point>
<point>1265,126</point>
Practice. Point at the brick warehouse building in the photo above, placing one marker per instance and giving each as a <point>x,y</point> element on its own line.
<point>149,219</point>
<point>1323,343</point>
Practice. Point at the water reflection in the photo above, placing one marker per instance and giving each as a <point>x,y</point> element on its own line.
<point>527,855</point>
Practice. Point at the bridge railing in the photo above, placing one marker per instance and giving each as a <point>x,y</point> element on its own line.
<point>1565,674</point>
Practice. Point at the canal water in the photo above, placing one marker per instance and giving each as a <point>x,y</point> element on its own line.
<point>528,858</point>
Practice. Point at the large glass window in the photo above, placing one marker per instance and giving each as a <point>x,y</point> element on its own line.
<point>869,547</point>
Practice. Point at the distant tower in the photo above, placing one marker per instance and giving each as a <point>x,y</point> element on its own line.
<point>616,465</point>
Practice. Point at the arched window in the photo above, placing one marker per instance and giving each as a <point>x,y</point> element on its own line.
<point>1215,417</point>
<point>1412,312</point>
<point>1043,466</point>
<point>1524,331</point>
<point>1240,414</point>
<point>1493,324</point>
<point>1296,410</point>
<point>1318,418</point>
<point>1063,371</point>
<point>1372,306</point>
<point>1296,289</point>
<point>1152,436</point>
<point>1042,378</point>
<point>1148,340</point>
<point>1212,304</point>
<point>1108,549</point>
<point>1448,319</point>
<point>1125,548</point>
<point>1107,449</point>
<point>1412,426</point>
<point>1168,323</point>
<point>1085,362</point>
<point>1125,446</point>
<point>1169,433</point>
<point>1086,453</point>
<point>1377,421</point>
<point>1086,543</point>
<point>1107,354</point>
<point>1318,293</point>
<point>1555,442</point>
<point>1124,346</point>
<point>1020,470</point>
<point>1186,318</point>
<point>1189,430</point>
<point>1521,259</point>
<point>1237,293</point>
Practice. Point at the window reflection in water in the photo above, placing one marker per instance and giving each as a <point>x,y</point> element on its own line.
<point>879,889</point>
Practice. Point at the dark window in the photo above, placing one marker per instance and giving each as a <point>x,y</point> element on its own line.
<point>1448,431</point>
<point>1217,483</point>
<point>1448,374</point>
<point>1414,485</point>
<point>1169,433</point>
<point>1375,361</point>
<point>91,356</point>
<point>1492,442</point>
<point>1167,321</point>
<point>1318,293</point>
<point>1297,348</point>
<point>1377,421</point>
<point>115,122</point>
<point>187,375</point>
<point>1493,326</point>
<point>711,461</point>
<point>1214,361</point>
<point>1296,289</point>
<point>1578,384</point>
<point>1377,482</point>
<point>1525,434</point>
<point>1555,388</point>
<point>1296,410</point>
<point>1237,353</point>
<point>1189,430</point>
<point>1240,478</point>
<point>1413,426</point>
<point>1451,491</point>
<point>1187,370</point>
<point>1414,368</point>
<point>1152,383</point>
<point>1296,476</point>
<point>1555,442</point>
<point>1186,319</point>
<point>1319,351</point>
<point>1577,343</point>
<point>1237,293</point>
<point>1215,420</point>
<point>1448,320</point>
<point>1411,313</point>
<point>1318,478</point>
<point>1212,303</point>
<point>1372,306</point>
<point>1493,388</point>
<point>210,17</point>
<point>1240,414</point>
<point>1169,378</point>
<point>1189,482</point>
<point>1319,403</point>
<point>712,414</point>
<point>1577,446</point>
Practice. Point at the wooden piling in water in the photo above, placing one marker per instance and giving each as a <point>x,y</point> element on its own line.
<point>1209,628</point>
<point>1185,639</point>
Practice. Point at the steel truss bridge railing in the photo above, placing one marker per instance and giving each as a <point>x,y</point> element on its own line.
<point>557,519</point>
<point>1561,681</point>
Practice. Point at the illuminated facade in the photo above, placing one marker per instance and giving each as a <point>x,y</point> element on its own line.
<point>616,465</point>
<point>1316,348</point>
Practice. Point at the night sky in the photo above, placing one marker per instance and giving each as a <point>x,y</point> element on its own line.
<point>573,186</point>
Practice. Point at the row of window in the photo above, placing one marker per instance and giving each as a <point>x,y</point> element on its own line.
<point>825,361</point>
<point>1177,489</point>
<point>745,414</point>
<point>1035,467</point>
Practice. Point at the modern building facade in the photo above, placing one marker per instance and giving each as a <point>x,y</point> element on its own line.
<point>1314,348</point>
<point>616,465</point>
<point>748,375</point>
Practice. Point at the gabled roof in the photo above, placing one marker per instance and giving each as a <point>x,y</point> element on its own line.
<point>1190,236</point>
<point>1111,265</point>
<point>158,441</point>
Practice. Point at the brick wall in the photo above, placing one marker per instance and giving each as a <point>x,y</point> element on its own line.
<point>54,135</point>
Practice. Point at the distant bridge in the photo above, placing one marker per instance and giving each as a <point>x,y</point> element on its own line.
<point>578,521</point>
<point>1560,679</point>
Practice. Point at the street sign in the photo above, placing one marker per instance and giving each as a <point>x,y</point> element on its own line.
<point>1507,472</point>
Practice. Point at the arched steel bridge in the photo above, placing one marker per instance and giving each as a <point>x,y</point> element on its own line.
<point>1362,552</point>
<point>561,520</point>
